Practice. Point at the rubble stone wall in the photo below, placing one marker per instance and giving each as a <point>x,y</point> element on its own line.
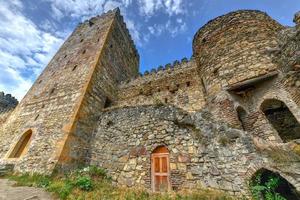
<point>203,152</point>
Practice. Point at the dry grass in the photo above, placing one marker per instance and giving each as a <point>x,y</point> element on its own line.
<point>93,184</point>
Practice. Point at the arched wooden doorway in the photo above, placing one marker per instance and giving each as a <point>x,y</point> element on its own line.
<point>282,119</point>
<point>22,145</point>
<point>160,169</point>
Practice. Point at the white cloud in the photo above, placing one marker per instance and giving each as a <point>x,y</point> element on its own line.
<point>170,27</point>
<point>171,7</point>
<point>24,49</point>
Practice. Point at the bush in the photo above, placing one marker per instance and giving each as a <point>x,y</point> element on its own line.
<point>265,190</point>
<point>84,183</point>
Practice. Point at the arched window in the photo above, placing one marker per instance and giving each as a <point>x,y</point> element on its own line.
<point>281,118</point>
<point>160,169</point>
<point>22,145</point>
<point>242,114</point>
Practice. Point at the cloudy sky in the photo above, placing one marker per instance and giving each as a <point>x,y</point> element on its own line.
<point>31,31</point>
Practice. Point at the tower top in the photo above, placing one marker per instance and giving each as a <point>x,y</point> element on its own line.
<point>297,18</point>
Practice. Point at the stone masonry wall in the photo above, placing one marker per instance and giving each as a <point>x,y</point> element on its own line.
<point>203,152</point>
<point>50,106</point>
<point>177,85</point>
<point>232,48</point>
<point>118,61</point>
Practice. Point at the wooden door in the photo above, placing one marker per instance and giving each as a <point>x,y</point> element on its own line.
<point>160,170</point>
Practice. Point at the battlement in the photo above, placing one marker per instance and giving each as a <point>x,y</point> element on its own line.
<point>160,72</point>
<point>121,21</point>
<point>7,102</point>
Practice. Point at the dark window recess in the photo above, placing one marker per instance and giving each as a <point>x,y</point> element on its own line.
<point>204,40</point>
<point>74,67</point>
<point>81,40</point>
<point>177,85</point>
<point>282,119</point>
<point>43,106</point>
<point>107,103</point>
<point>52,90</point>
<point>65,56</point>
<point>83,52</point>
<point>40,81</point>
<point>188,84</point>
<point>242,114</point>
<point>36,117</point>
<point>111,46</point>
<point>166,100</point>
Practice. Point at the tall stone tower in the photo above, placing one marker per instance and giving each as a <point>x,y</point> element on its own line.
<point>51,125</point>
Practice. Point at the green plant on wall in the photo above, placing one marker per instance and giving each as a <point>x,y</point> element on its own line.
<point>267,190</point>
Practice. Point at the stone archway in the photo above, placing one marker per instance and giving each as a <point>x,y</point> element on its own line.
<point>160,170</point>
<point>282,119</point>
<point>273,183</point>
<point>22,145</point>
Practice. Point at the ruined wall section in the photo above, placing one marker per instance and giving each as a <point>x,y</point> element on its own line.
<point>232,48</point>
<point>177,85</point>
<point>203,152</point>
<point>48,109</point>
<point>118,61</point>
<point>7,105</point>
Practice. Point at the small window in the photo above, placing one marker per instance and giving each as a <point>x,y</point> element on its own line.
<point>52,91</point>
<point>74,67</point>
<point>22,145</point>
<point>81,40</point>
<point>36,117</point>
<point>188,84</point>
<point>83,52</point>
<point>166,100</point>
<point>40,81</point>
<point>242,114</point>
<point>107,103</point>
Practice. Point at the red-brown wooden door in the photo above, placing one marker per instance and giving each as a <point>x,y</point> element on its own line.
<point>160,170</point>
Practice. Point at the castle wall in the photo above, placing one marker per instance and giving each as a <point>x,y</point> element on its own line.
<point>118,61</point>
<point>177,85</point>
<point>232,48</point>
<point>49,107</point>
<point>203,152</point>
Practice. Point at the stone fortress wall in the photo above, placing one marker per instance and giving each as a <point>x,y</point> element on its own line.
<point>177,84</point>
<point>228,112</point>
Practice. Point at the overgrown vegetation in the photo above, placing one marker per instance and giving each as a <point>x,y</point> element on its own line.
<point>92,183</point>
<point>267,190</point>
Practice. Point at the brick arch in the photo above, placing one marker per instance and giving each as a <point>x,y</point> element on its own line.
<point>281,118</point>
<point>266,169</point>
<point>255,168</point>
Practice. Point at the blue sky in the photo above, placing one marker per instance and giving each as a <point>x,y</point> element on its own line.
<point>31,31</point>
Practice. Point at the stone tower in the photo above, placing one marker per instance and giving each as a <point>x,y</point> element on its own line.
<point>55,115</point>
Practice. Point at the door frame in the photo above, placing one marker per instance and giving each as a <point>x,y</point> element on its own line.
<point>153,155</point>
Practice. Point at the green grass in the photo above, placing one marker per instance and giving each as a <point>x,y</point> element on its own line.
<point>92,183</point>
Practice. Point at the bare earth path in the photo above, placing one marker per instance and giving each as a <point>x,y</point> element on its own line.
<point>10,192</point>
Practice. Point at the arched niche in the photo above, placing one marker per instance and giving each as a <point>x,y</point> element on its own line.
<point>22,145</point>
<point>266,181</point>
<point>282,119</point>
<point>242,114</point>
<point>160,169</point>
